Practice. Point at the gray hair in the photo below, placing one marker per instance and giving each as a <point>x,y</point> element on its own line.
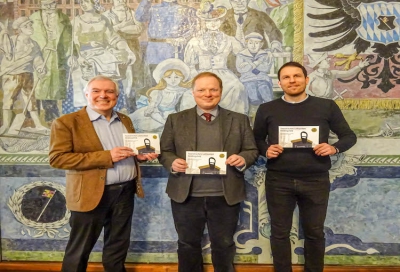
<point>101,77</point>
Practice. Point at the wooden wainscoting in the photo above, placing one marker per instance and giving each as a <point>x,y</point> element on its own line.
<point>97,267</point>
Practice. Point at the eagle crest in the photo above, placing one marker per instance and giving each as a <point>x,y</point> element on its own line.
<point>367,25</point>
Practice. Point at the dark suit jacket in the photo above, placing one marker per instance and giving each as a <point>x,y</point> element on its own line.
<point>179,136</point>
<point>75,147</point>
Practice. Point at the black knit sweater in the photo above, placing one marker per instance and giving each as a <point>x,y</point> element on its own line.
<point>313,111</point>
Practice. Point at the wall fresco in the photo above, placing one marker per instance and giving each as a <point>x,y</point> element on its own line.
<point>49,49</point>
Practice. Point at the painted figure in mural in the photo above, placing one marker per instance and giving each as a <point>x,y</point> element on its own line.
<point>17,71</point>
<point>299,175</point>
<point>125,24</point>
<point>242,20</point>
<point>191,130</point>
<point>254,64</point>
<point>172,76</point>
<point>171,25</point>
<point>322,78</point>
<point>100,51</point>
<point>102,176</point>
<point>53,33</point>
<point>209,52</point>
<point>284,19</point>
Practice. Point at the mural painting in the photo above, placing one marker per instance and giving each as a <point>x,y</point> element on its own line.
<point>352,55</point>
<point>49,49</point>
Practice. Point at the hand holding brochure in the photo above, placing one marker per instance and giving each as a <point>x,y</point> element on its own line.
<point>142,143</point>
<point>298,136</point>
<point>206,162</point>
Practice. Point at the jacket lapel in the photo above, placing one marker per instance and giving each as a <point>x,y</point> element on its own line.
<point>86,125</point>
<point>189,128</point>
<point>249,18</point>
<point>225,125</point>
<point>230,15</point>
<point>60,26</point>
<point>126,123</point>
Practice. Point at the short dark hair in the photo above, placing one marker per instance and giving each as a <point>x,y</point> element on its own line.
<point>292,64</point>
<point>206,74</point>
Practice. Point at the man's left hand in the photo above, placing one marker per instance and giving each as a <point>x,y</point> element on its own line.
<point>324,149</point>
<point>147,157</point>
<point>235,160</point>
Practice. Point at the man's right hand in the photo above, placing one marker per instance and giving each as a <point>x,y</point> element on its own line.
<point>274,151</point>
<point>179,165</point>
<point>121,153</point>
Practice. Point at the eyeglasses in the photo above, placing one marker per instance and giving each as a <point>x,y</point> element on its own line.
<point>211,90</point>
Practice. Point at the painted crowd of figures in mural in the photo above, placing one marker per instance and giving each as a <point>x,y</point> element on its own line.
<point>153,52</point>
<point>47,60</point>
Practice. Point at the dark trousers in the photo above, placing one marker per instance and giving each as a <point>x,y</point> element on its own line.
<point>311,196</point>
<point>190,218</point>
<point>114,213</point>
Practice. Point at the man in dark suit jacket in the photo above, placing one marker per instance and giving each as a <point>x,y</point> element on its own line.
<point>102,176</point>
<point>212,199</point>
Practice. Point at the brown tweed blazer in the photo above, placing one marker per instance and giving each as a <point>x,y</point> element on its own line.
<point>75,147</point>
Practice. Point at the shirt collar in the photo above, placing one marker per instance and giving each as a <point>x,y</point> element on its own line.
<point>94,116</point>
<point>243,12</point>
<point>214,111</point>
<point>283,98</point>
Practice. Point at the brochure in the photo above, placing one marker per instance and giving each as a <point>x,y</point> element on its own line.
<point>298,136</point>
<point>142,143</point>
<point>206,162</point>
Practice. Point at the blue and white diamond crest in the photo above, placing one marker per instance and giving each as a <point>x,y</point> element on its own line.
<point>380,22</point>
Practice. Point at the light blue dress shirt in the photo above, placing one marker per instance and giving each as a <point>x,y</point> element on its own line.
<point>110,135</point>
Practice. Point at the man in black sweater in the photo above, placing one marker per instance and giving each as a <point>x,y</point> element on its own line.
<point>299,175</point>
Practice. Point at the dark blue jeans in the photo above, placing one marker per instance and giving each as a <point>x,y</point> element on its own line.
<point>114,213</point>
<point>311,194</point>
<point>190,218</point>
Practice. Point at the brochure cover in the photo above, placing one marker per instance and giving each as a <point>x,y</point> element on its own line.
<point>298,136</point>
<point>142,143</point>
<point>206,162</point>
